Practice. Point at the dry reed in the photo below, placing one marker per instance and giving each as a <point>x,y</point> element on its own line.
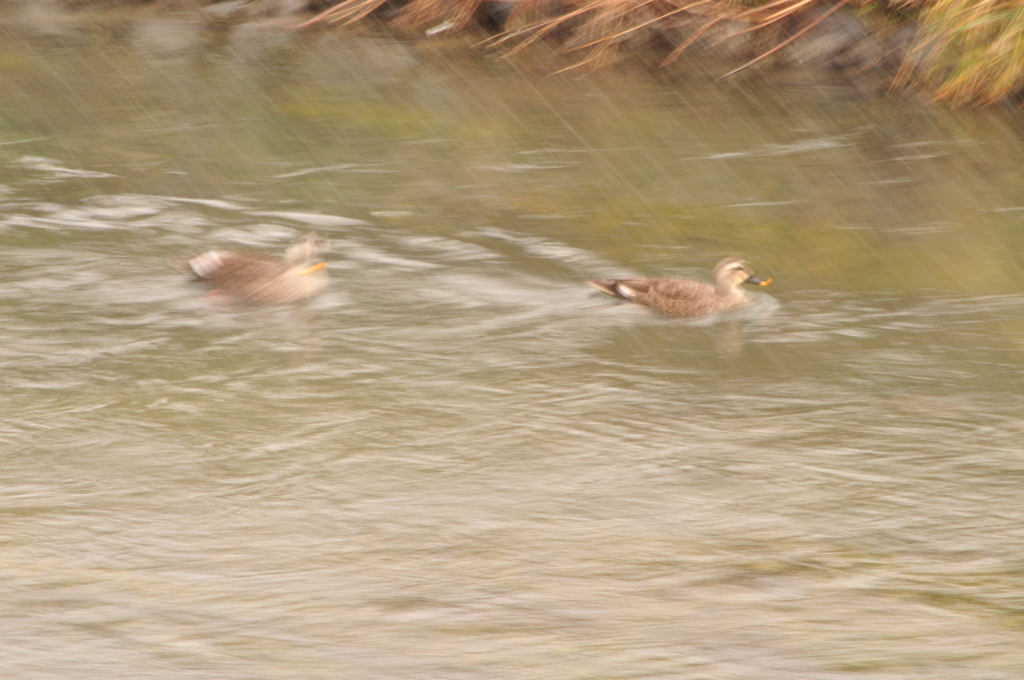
<point>968,51</point>
<point>965,52</point>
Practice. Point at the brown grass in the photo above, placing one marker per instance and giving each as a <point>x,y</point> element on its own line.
<point>595,27</point>
<point>966,51</point>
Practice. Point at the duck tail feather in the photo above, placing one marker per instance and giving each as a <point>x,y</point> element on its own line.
<point>615,287</point>
<point>203,266</point>
<point>606,286</point>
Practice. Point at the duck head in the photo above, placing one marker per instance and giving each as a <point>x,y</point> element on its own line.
<point>308,250</point>
<point>730,273</point>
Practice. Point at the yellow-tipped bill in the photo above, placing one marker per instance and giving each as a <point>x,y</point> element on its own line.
<point>313,268</point>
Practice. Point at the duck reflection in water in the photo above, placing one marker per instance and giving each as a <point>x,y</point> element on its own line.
<point>686,298</point>
<point>263,280</point>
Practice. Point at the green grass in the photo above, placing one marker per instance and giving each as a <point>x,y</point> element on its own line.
<point>970,52</point>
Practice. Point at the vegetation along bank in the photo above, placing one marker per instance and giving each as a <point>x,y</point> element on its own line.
<point>962,52</point>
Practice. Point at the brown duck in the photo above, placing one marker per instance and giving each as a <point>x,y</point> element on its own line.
<point>686,298</point>
<point>263,280</point>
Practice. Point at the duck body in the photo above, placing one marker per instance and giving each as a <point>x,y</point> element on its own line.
<point>263,280</point>
<point>686,298</point>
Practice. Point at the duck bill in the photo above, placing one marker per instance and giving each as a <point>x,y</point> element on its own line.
<point>313,268</point>
<point>758,282</point>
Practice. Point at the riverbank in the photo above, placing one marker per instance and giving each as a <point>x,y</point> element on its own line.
<point>957,51</point>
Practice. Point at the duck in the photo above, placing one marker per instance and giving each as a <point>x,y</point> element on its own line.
<point>686,298</point>
<point>263,280</point>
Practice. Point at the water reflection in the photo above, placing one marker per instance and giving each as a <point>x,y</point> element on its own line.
<point>457,461</point>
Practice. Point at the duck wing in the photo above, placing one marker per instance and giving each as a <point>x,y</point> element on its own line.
<point>637,290</point>
<point>224,267</point>
<point>682,298</point>
<point>627,289</point>
<point>678,289</point>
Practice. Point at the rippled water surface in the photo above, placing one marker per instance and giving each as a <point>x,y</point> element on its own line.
<point>459,461</point>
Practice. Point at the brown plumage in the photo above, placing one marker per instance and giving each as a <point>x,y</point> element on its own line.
<point>686,298</point>
<point>263,280</point>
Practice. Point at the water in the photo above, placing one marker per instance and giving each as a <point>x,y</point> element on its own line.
<point>460,462</point>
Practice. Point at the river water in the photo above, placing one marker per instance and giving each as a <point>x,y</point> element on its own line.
<point>459,462</point>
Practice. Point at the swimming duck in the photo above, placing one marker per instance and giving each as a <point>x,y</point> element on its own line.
<point>686,298</point>
<point>263,280</point>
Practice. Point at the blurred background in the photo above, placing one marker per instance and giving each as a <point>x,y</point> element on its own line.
<point>459,461</point>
